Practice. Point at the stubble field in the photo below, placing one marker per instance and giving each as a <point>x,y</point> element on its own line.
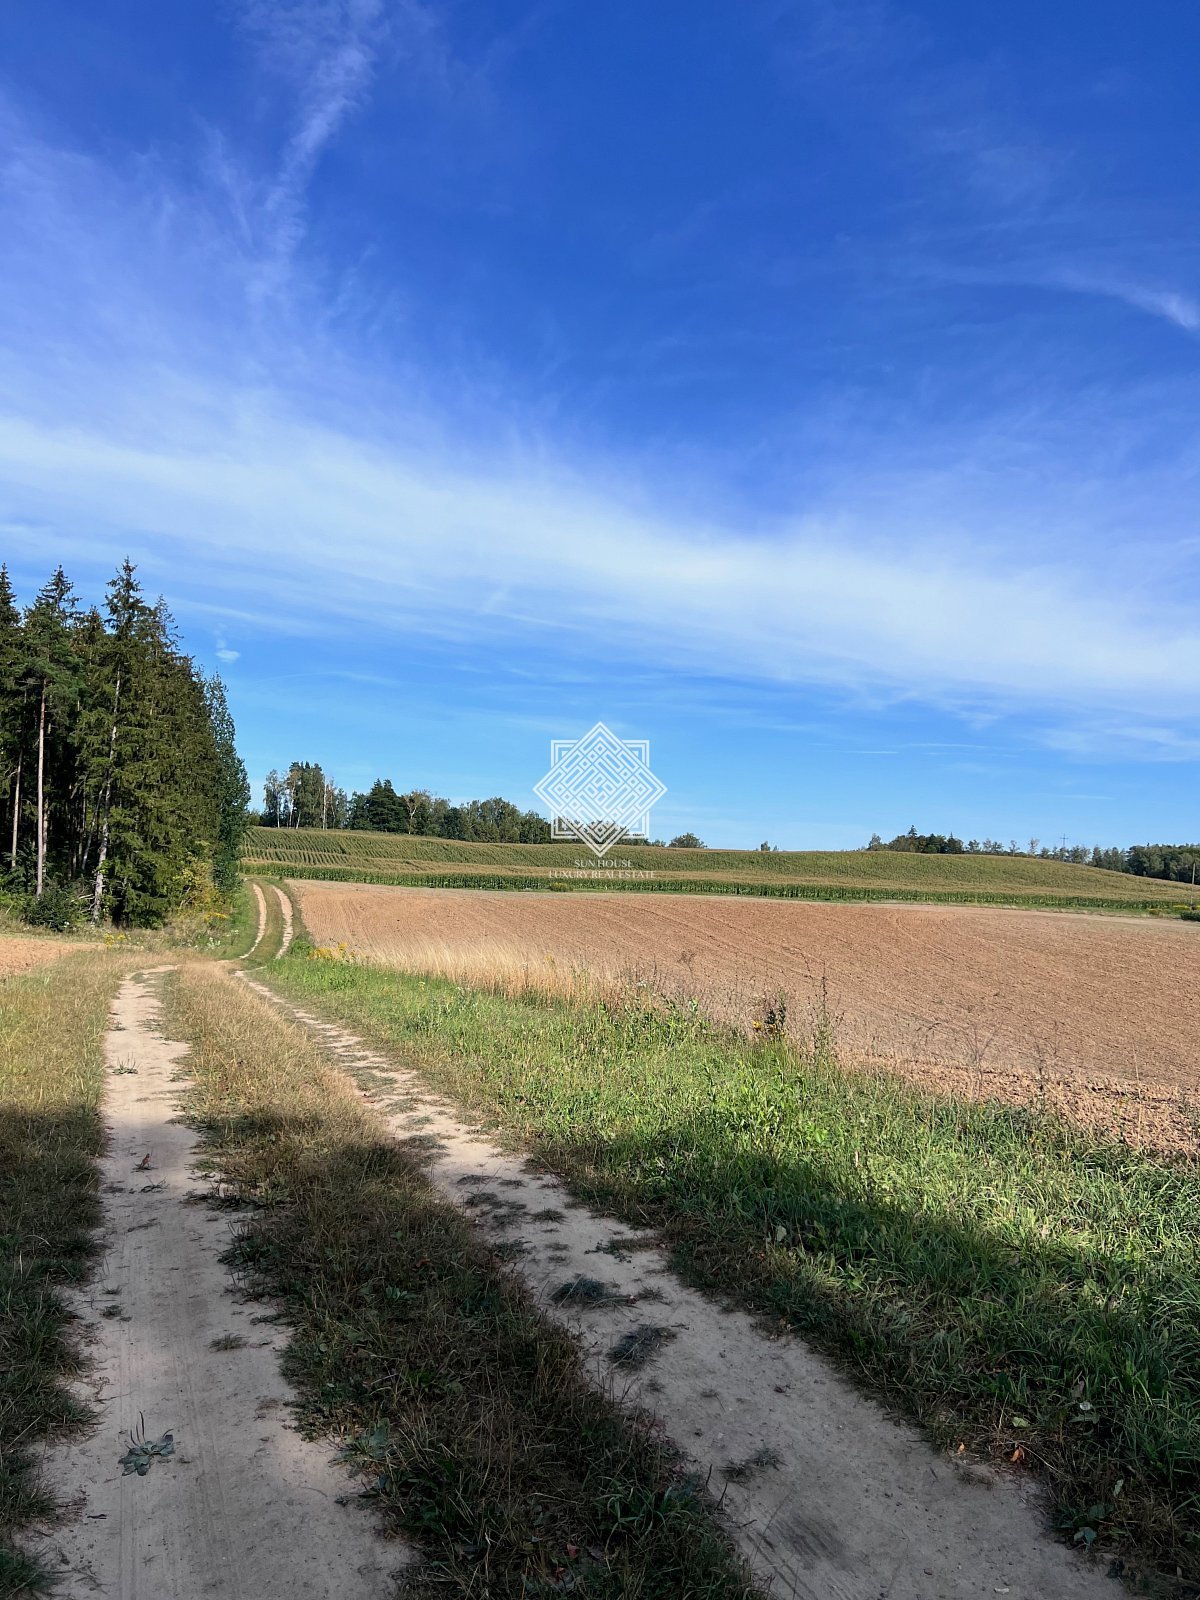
<point>1096,1017</point>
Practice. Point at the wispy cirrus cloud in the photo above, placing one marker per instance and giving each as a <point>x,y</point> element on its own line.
<point>1022,217</point>
<point>1172,305</point>
<point>325,50</point>
<point>144,404</point>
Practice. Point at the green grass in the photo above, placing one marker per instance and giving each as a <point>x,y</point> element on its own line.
<point>464,1412</point>
<point>988,1270</point>
<point>51,1134</point>
<point>272,926</point>
<point>387,858</point>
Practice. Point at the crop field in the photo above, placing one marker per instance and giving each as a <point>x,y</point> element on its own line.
<point>400,859</point>
<point>1095,1016</point>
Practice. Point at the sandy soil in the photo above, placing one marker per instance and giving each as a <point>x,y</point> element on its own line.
<point>829,1498</point>
<point>285,907</point>
<point>244,1507</point>
<point>261,908</point>
<point>1098,1016</point>
<point>24,955</point>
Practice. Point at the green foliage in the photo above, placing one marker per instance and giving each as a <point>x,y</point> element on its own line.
<point>421,813</point>
<point>118,756</point>
<point>925,844</point>
<point>231,788</point>
<point>304,797</point>
<point>689,841</point>
<point>59,907</point>
<point>1178,863</point>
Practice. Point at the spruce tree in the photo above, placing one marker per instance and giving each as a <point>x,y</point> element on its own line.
<point>232,789</point>
<point>118,761</point>
<point>51,676</point>
<point>12,705</point>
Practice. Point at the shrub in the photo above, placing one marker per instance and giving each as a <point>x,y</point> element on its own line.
<point>60,907</point>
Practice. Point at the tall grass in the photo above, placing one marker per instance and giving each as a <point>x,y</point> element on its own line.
<point>51,1080</point>
<point>1007,1281</point>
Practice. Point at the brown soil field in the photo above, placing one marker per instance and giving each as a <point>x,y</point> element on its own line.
<point>23,955</point>
<point>1096,1016</point>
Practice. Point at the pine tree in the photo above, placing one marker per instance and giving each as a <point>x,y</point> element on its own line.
<point>117,750</point>
<point>51,674</point>
<point>12,702</point>
<point>232,790</point>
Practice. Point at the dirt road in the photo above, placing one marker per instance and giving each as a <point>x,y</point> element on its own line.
<point>243,1506</point>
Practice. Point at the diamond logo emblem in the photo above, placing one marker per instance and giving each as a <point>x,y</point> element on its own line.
<point>599,789</point>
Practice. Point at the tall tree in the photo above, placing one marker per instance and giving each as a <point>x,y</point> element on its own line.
<point>231,785</point>
<point>12,702</point>
<point>51,672</point>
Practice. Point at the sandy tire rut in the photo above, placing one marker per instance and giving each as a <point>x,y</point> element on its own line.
<point>285,910</point>
<point>245,1507</point>
<point>829,1497</point>
<point>261,912</point>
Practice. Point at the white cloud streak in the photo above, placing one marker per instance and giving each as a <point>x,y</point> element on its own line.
<point>1183,310</point>
<point>353,530</point>
<point>327,49</point>
<point>140,409</point>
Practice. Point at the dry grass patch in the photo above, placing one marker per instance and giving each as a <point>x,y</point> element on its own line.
<point>52,1023</point>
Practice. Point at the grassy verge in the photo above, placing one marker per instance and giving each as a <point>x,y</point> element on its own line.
<point>989,1270</point>
<point>51,1080</point>
<point>465,1412</point>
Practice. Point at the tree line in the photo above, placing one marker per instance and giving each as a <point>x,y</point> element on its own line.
<point>306,797</point>
<point>119,772</point>
<point>1178,863</point>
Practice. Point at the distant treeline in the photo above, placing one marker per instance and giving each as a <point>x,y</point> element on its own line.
<point>305,797</point>
<point>1177,863</point>
<point>119,773</point>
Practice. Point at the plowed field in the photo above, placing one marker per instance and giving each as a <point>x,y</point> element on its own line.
<point>1097,1016</point>
<point>23,955</point>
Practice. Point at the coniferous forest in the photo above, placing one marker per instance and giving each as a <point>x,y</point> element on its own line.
<point>122,790</point>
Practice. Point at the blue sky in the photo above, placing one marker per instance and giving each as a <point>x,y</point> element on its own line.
<point>809,388</point>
